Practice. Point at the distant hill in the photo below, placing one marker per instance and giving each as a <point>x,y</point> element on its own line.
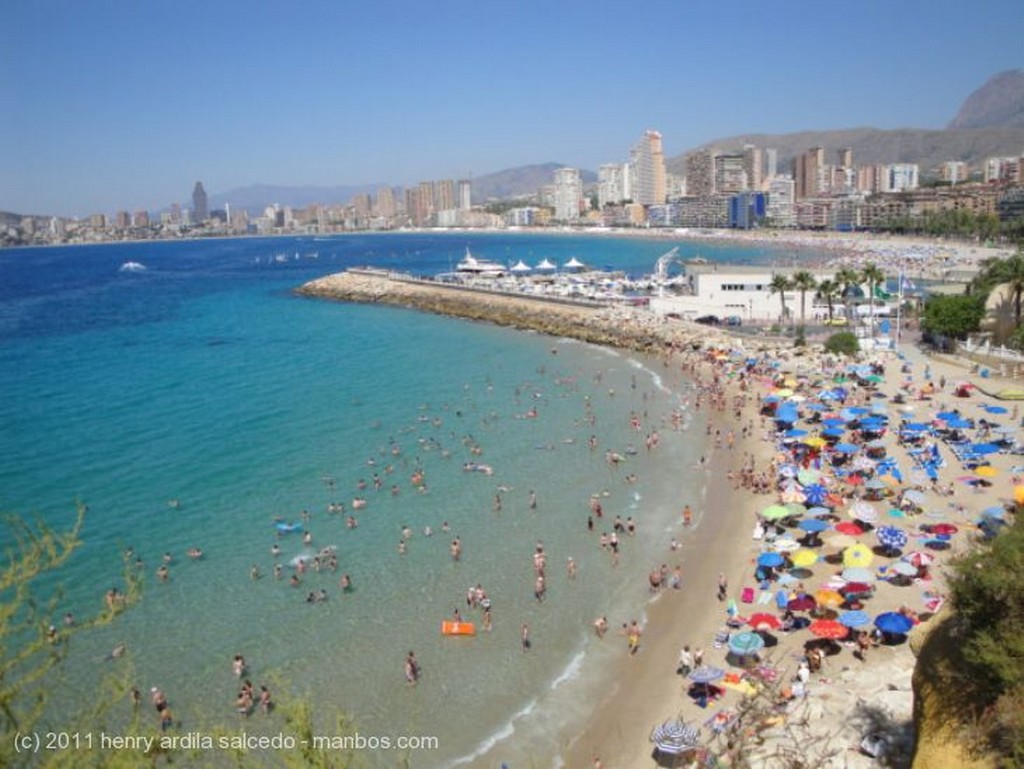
<point>998,103</point>
<point>874,145</point>
<point>523,181</point>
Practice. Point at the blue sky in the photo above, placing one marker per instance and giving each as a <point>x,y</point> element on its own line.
<point>109,104</point>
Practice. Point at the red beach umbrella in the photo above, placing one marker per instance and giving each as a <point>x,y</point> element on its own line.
<point>801,603</point>
<point>855,588</point>
<point>849,527</point>
<point>828,628</point>
<point>944,528</point>
<point>764,620</point>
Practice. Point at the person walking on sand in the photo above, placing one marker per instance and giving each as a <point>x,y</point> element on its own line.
<point>723,586</point>
<point>524,637</point>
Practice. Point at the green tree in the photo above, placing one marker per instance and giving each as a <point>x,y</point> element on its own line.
<point>952,315</point>
<point>30,654</point>
<point>987,591</point>
<point>1010,271</point>
<point>843,343</point>
<point>827,292</point>
<point>803,281</point>
<point>780,285</point>
<point>849,280</point>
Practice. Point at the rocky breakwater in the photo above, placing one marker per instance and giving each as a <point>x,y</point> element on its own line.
<point>618,326</point>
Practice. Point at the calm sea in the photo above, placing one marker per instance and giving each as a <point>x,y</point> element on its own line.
<point>197,402</point>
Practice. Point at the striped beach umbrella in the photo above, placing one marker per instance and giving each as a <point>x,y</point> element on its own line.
<point>706,674</point>
<point>863,511</point>
<point>675,737</point>
<point>745,643</point>
<point>918,558</point>
<point>891,537</point>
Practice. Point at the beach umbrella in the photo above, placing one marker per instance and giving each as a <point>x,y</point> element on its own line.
<point>849,528</point>
<point>808,476</point>
<point>819,511</point>
<point>794,432</point>
<point>957,423</point>
<point>796,508</point>
<point>775,512</point>
<point>996,511</point>
<point>675,737</point>
<point>986,471</point>
<point>792,496</point>
<point>815,494</point>
<point>854,619</point>
<point>706,674</point>
<point>858,555</point>
<point>891,537</point>
<point>944,528</point>
<point>994,409</point>
<point>863,511</point>
<point>812,525</point>
<point>893,622</point>
<point>918,558</point>
<point>845,448</point>
<point>875,484</point>
<point>857,574</point>
<point>803,558</point>
<point>855,588</point>
<point>745,643</point>
<point>801,603</point>
<point>828,628</point>
<point>785,545</point>
<point>829,599</point>
<point>770,560</point>
<point>764,620</point>
<point>815,442</point>
<point>905,568</point>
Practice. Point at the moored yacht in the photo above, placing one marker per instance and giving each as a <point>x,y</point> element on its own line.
<point>471,265</point>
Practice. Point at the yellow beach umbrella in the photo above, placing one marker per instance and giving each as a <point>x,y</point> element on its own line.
<point>804,557</point>
<point>1018,495</point>
<point>785,392</point>
<point>830,599</point>
<point>858,555</point>
<point>815,442</point>
<point>986,471</point>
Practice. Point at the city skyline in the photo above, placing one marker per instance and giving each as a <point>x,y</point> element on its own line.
<point>117,106</point>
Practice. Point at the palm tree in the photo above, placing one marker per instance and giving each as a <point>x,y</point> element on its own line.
<point>874,276</point>
<point>828,290</point>
<point>847,278</point>
<point>780,285</point>
<point>1011,271</point>
<point>803,281</point>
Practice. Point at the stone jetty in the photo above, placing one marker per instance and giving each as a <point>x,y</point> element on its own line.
<point>618,325</point>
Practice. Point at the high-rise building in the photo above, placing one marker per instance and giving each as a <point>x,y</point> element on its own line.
<point>610,184</point>
<point>465,194</point>
<point>647,168</point>
<point>845,157</point>
<point>954,171</point>
<point>807,170</point>
<point>200,209</point>
<point>386,202</point>
<point>771,156</point>
<point>700,173</point>
<point>902,176</point>
<point>730,174</point>
<point>568,194</point>
<point>424,204</point>
<point>753,164</point>
<point>444,195</point>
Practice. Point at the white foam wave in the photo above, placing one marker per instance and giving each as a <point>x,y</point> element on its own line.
<point>502,733</point>
<point>572,670</point>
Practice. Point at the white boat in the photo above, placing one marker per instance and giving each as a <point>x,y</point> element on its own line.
<point>132,267</point>
<point>471,265</point>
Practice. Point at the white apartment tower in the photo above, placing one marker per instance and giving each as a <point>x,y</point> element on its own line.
<point>568,194</point>
<point>465,194</point>
<point>611,184</point>
<point>647,170</point>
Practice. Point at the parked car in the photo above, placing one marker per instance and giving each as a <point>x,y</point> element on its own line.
<point>734,320</point>
<point>708,320</point>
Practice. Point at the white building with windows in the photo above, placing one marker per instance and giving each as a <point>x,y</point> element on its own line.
<point>568,194</point>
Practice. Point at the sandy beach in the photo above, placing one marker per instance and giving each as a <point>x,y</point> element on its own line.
<point>848,698</point>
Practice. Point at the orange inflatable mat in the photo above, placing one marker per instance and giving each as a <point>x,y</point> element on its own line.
<point>457,628</point>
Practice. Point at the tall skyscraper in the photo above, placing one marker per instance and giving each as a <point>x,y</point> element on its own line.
<point>700,173</point>
<point>807,171</point>
<point>647,161</point>
<point>752,164</point>
<point>465,194</point>
<point>200,211</point>
<point>771,156</point>
<point>610,184</point>
<point>568,194</point>
<point>386,202</point>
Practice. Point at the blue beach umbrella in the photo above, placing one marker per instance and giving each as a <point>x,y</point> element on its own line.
<point>747,642</point>
<point>891,537</point>
<point>770,560</point>
<point>817,512</point>
<point>845,448</point>
<point>794,432</point>
<point>983,448</point>
<point>994,409</point>
<point>857,574</point>
<point>996,511</point>
<point>815,494</point>
<point>958,424</point>
<point>834,422</point>
<point>832,432</point>
<point>854,619</point>
<point>706,674</point>
<point>812,525</point>
<point>893,622</point>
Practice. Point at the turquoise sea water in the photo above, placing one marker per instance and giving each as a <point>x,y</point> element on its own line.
<point>203,380</point>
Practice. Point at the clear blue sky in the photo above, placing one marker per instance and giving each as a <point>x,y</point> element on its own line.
<point>110,104</point>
